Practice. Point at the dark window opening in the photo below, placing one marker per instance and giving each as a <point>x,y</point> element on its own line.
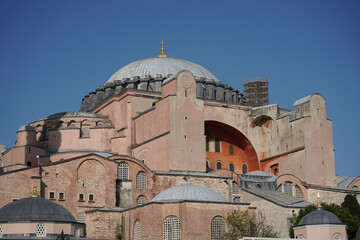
<point>231,149</point>
<point>217,144</point>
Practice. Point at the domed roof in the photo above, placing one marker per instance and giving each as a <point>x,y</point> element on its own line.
<point>35,210</point>
<point>319,216</point>
<point>163,66</point>
<point>26,128</point>
<point>190,192</point>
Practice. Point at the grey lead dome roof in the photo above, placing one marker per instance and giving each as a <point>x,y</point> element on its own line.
<point>163,66</point>
<point>319,216</point>
<point>35,210</point>
<point>190,192</point>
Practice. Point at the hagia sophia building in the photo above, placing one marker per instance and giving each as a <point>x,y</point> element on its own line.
<point>165,150</point>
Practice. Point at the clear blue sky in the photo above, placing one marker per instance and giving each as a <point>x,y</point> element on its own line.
<point>52,53</point>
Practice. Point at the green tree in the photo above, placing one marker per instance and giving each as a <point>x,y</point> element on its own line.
<point>244,224</point>
<point>352,204</point>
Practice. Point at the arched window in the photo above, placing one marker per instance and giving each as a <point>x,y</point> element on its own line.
<point>81,218</point>
<point>235,189</point>
<point>231,149</point>
<point>217,144</point>
<point>218,228</point>
<point>298,193</point>
<point>123,171</point>
<point>141,200</point>
<point>84,132</point>
<point>137,230</point>
<point>41,230</point>
<point>71,124</point>
<point>171,228</point>
<point>218,165</point>
<point>232,167</point>
<point>244,168</point>
<point>288,188</point>
<point>141,180</point>
<point>59,124</point>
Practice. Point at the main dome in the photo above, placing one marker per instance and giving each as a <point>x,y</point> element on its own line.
<point>160,66</point>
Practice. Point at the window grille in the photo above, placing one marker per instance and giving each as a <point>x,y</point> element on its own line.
<point>123,171</point>
<point>91,197</point>
<point>218,228</point>
<point>141,200</point>
<point>81,197</point>
<point>137,230</point>
<point>231,149</point>
<point>217,144</point>
<point>218,165</point>
<point>235,188</point>
<point>1,231</point>
<point>81,218</point>
<point>41,230</point>
<point>141,180</point>
<point>171,228</point>
<point>232,167</point>
<point>288,188</point>
<point>244,168</point>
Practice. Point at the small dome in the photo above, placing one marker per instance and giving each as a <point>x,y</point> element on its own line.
<point>35,210</point>
<point>163,66</point>
<point>190,192</point>
<point>26,128</point>
<point>319,216</point>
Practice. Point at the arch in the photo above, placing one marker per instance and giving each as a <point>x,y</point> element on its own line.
<point>137,230</point>
<point>146,155</point>
<point>171,228</point>
<point>232,167</point>
<point>123,171</point>
<point>71,124</point>
<point>218,228</point>
<point>244,168</point>
<point>299,190</point>
<point>218,165</point>
<point>234,146</point>
<point>84,129</point>
<point>263,120</point>
<point>141,200</point>
<point>59,124</point>
<point>141,180</point>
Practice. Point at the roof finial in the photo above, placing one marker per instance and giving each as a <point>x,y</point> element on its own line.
<point>162,54</point>
<point>34,192</point>
<point>318,201</point>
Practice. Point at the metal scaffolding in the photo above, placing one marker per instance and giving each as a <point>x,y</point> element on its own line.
<point>256,91</point>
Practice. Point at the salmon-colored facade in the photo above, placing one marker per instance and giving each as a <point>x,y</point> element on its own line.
<point>138,136</point>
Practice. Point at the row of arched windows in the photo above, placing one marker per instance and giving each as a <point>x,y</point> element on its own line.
<point>123,174</point>
<point>219,165</point>
<point>172,228</point>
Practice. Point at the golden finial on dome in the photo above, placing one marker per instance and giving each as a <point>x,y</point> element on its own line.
<point>162,54</point>
<point>318,201</point>
<point>34,192</point>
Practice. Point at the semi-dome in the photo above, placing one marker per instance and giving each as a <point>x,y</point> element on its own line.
<point>35,209</point>
<point>26,128</point>
<point>190,192</point>
<point>319,216</point>
<point>160,66</point>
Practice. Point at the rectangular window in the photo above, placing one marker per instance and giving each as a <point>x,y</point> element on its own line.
<point>91,197</point>
<point>81,197</point>
<point>61,196</point>
<point>52,195</point>
<point>231,149</point>
<point>217,144</point>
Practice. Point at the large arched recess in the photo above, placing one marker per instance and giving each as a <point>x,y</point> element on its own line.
<point>243,152</point>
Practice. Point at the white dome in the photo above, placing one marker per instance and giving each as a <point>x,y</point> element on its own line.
<point>163,66</point>
<point>190,192</point>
